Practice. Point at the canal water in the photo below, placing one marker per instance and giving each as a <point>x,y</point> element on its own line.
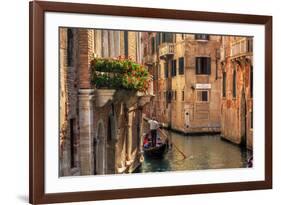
<point>203,152</point>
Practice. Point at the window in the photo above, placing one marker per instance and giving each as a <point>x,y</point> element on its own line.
<point>69,47</point>
<point>126,44</point>
<point>72,143</point>
<point>224,84</point>
<point>169,96</point>
<point>167,38</point>
<point>152,45</point>
<point>201,37</point>
<point>175,95</point>
<point>251,81</point>
<point>252,123</point>
<point>173,68</point>
<point>166,70</point>
<point>202,96</point>
<point>203,65</point>
<point>181,66</point>
<point>250,45</point>
<point>182,95</point>
<point>182,36</point>
<point>157,40</point>
<point>234,84</point>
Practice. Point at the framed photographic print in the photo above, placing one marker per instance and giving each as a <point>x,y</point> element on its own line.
<point>139,102</point>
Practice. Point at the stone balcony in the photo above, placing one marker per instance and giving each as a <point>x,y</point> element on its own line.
<point>166,50</point>
<point>104,96</point>
<point>242,47</point>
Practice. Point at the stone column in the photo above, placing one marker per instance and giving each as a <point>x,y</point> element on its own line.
<point>86,130</point>
<point>130,136</point>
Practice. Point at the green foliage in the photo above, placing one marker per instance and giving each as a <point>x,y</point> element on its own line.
<point>119,73</point>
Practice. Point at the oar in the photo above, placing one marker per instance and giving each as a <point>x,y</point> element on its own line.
<point>184,156</point>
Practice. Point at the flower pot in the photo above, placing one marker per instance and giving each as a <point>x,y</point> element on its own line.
<point>103,96</point>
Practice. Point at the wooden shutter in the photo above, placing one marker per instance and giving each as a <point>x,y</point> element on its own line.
<point>198,65</point>
<point>208,64</point>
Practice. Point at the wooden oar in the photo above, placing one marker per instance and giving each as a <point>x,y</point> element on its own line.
<point>184,156</point>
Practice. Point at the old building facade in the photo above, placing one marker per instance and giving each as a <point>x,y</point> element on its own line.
<point>201,84</point>
<point>96,139</point>
<point>187,82</point>
<point>237,90</point>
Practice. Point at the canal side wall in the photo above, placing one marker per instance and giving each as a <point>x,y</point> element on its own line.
<point>237,104</point>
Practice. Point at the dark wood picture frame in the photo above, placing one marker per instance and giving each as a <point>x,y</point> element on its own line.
<point>37,10</point>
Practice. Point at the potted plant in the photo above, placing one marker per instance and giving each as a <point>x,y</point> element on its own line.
<point>118,79</point>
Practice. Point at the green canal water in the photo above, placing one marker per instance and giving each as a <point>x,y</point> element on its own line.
<point>203,152</point>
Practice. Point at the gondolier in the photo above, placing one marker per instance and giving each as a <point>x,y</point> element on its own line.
<point>154,125</point>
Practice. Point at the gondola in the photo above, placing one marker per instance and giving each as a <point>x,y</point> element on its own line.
<point>158,151</point>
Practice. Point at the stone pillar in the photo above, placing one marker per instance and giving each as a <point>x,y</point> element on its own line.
<point>86,130</point>
<point>130,136</point>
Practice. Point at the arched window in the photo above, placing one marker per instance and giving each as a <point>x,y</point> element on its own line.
<point>234,83</point>
<point>69,47</point>
<point>224,84</point>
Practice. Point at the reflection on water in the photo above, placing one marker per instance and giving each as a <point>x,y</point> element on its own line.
<point>203,152</point>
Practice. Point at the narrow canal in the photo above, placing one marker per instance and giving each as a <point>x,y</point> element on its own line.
<point>203,152</point>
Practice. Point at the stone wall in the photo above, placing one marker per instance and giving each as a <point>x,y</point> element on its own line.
<point>69,103</point>
<point>237,110</point>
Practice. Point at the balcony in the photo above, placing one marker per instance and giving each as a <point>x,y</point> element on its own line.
<point>166,50</point>
<point>243,47</point>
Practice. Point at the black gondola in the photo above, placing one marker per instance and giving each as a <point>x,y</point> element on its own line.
<point>158,151</point>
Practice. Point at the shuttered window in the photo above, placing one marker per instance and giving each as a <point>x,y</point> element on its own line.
<point>202,96</point>
<point>167,38</point>
<point>201,36</point>
<point>152,45</point>
<point>203,65</point>
<point>173,68</point>
<point>181,66</point>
